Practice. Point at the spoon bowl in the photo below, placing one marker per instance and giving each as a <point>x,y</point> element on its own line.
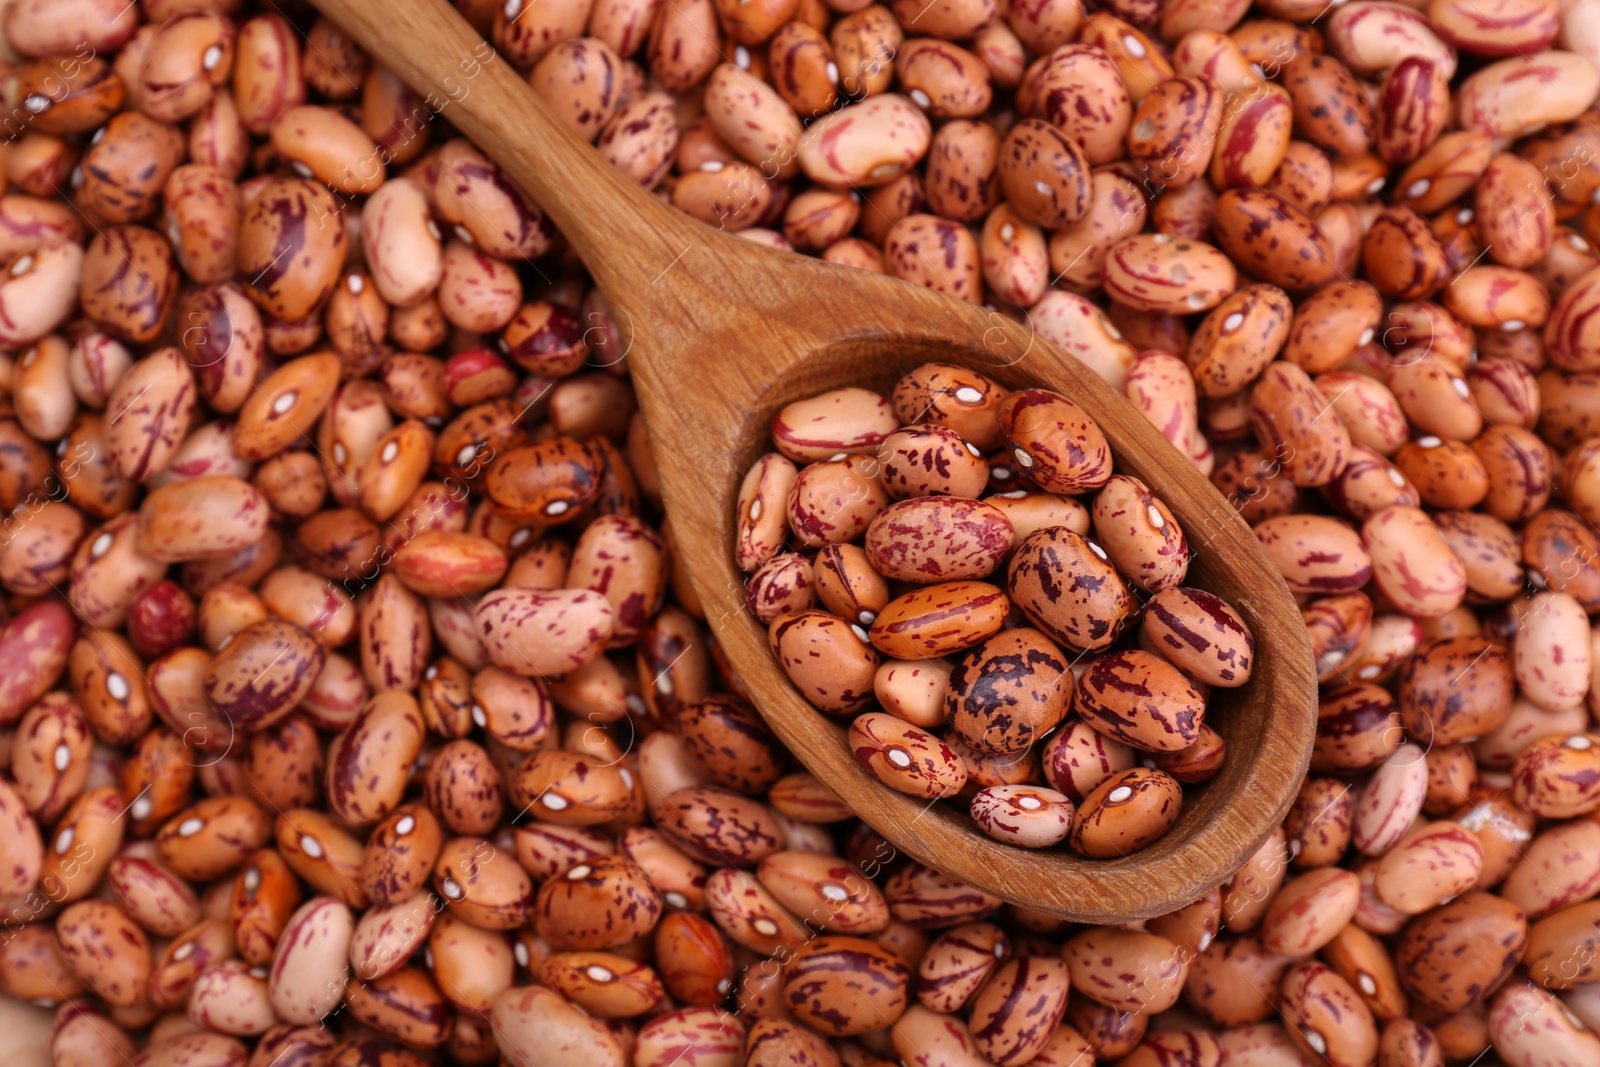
<point>721,332</point>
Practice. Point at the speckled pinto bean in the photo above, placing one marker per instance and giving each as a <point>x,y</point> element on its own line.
<point>821,427</point>
<point>1293,423</point>
<point>833,501</point>
<point>1017,1012</point>
<point>1455,955</point>
<point>1009,692</point>
<point>1428,867</point>
<point>830,660</point>
<point>939,619</point>
<point>930,461</point>
<point>1200,634</point>
<point>1126,970</point>
<point>1124,813</point>
<point>933,539</point>
<point>1401,402</point>
<point>1550,654</point>
<point>905,758</point>
<point>208,516</point>
<point>34,645</point>
<point>533,632</point>
<point>1315,554</point>
<point>1273,239</point>
<point>1412,564</point>
<point>1390,800</point>
<point>1054,441</point>
<point>1456,689</point>
<point>762,519</point>
<point>1326,1017</point>
<point>1044,174</point>
<point>868,143</point>
<point>1139,533</point>
<point>310,966</point>
<point>1163,274</point>
<point>958,964</point>
<point>1077,758</point>
<point>1551,777</point>
<point>842,986</point>
<point>1141,700</point>
<point>1025,815</point>
<point>263,673</point>
<point>105,950</point>
<point>1084,614</point>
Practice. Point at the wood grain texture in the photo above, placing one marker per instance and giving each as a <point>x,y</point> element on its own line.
<point>722,332</point>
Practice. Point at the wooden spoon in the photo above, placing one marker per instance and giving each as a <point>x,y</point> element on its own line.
<point>722,332</point>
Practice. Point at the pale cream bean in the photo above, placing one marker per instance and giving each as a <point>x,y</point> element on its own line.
<point>402,243</point>
<point>865,144</point>
<point>36,291</point>
<point>1371,37</point>
<point>1078,327</point>
<point>1519,95</point>
<point>1551,652</point>
<point>311,965</point>
<point>1427,867</point>
<point>1016,261</point>
<point>1412,564</point>
<point>1390,800</point>
<point>754,121</point>
<point>531,632</point>
<point>200,517</point>
<point>41,389</point>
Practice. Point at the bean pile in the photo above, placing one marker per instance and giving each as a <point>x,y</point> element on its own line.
<point>353,710</point>
<point>903,476</point>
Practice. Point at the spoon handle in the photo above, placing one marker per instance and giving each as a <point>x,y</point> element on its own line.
<point>463,80</point>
